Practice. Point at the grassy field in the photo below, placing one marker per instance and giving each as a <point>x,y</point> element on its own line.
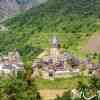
<point>61,83</point>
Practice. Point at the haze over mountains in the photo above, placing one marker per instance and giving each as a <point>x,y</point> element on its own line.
<point>11,7</point>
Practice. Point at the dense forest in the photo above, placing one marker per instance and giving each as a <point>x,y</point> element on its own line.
<point>71,20</point>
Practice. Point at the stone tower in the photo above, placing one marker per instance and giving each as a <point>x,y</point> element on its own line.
<point>55,42</point>
<point>54,50</point>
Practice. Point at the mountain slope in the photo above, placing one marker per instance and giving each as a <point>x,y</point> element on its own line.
<point>8,7</point>
<point>71,20</point>
<point>11,7</point>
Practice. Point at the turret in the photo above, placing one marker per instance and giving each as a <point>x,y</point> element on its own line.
<point>54,50</point>
<point>55,42</point>
<point>18,58</point>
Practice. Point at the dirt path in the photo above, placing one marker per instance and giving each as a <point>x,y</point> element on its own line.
<point>50,94</point>
<point>92,44</point>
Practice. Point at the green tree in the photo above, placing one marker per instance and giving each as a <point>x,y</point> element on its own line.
<point>18,88</point>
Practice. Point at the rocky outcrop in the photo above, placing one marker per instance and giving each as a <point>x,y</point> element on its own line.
<point>8,8</point>
<point>11,7</point>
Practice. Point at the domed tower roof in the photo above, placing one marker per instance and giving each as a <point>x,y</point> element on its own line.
<point>55,42</point>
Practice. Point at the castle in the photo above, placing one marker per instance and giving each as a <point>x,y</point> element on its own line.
<point>55,63</point>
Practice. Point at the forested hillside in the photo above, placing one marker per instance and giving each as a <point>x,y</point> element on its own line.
<point>71,20</point>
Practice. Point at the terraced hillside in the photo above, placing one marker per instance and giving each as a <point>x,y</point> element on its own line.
<point>71,20</point>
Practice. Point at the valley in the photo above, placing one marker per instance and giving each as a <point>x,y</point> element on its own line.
<point>29,28</point>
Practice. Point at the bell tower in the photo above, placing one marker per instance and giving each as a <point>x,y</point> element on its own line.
<point>54,50</point>
<point>55,42</point>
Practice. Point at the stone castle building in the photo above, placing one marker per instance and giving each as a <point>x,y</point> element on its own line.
<point>55,63</point>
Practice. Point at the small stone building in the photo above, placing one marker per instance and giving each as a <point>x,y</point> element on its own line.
<point>11,63</point>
